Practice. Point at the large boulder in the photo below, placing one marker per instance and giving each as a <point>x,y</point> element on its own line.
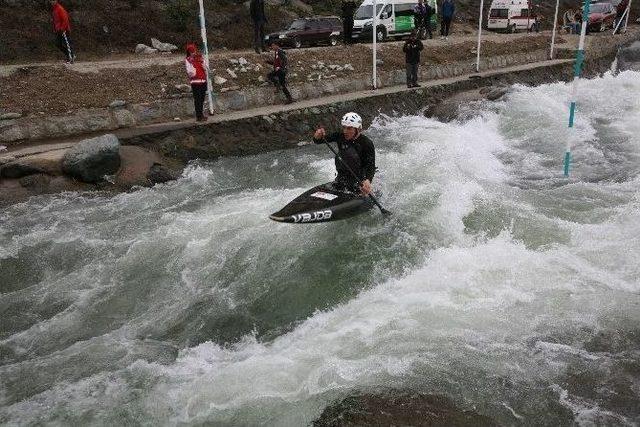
<point>163,47</point>
<point>18,169</point>
<point>92,159</point>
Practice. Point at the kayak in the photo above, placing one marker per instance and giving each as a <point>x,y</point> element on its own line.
<point>323,203</point>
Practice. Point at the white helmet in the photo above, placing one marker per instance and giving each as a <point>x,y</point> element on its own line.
<point>352,120</point>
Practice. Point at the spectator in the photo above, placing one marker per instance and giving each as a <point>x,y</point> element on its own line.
<point>259,18</point>
<point>62,28</point>
<point>620,9</point>
<point>279,74</point>
<point>419,18</point>
<point>348,9</point>
<point>411,49</point>
<point>195,65</point>
<point>448,9</point>
<point>427,21</point>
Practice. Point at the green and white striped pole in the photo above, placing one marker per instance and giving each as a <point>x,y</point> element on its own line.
<point>577,68</point>
<point>203,33</point>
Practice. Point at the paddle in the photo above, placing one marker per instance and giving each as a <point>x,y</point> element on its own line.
<point>382,210</point>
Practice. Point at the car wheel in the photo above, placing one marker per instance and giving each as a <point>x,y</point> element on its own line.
<point>297,43</point>
<point>603,27</point>
<point>511,29</point>
<point>333,40</point>
<point>381,34</point>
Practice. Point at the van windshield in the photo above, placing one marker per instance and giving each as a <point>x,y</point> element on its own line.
<point>366,11</point>
<point>499,13</point>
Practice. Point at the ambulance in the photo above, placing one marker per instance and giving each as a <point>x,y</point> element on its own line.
<point>512,16</point>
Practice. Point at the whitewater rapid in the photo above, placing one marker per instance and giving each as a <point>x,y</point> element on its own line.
<point>498,282</point>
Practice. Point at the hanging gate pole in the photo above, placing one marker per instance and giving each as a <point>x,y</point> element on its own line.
<point>577,68</point>
<point>203,33</point>
<point>374,27</point>
<point>553,34</point>
<point>479,36</point>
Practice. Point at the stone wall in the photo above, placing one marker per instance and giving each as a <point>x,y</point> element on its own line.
<point>16,130</point>
<point>291,128</point>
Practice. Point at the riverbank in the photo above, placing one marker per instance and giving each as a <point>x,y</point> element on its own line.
<point>170,145</point>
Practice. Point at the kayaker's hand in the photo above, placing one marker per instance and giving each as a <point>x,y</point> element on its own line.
<point>319,134</point>
<point>366,187</point>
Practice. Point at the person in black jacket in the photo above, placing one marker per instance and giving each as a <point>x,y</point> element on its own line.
<point>427,19</point>
<point>411,49</point>
<point>348,9</point>
<point>259,18</point>
<point>279,74</point>
<point>357,153</point>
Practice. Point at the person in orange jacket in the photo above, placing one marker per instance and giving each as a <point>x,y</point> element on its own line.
<point>195,65</point>
<point>62,28</point>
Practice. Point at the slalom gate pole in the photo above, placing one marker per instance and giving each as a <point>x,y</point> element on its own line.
<point>203,33</point>
<point>577,69</point>
<point>374,27</point>
<point>617,27</point>
<point>479,36</point>
<point>553,34</point>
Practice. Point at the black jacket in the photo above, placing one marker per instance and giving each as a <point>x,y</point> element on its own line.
<point>412,50</point>
<point>256,10</point>
<point>359,154</point>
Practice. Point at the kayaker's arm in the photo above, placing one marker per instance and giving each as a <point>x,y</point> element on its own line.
<point>320,136</point>
<point>368,158</point>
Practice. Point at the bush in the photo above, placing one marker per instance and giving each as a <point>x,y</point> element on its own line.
<point>180,13</point>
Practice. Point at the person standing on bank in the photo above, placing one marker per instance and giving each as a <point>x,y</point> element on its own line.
<point>195,65</point>
<point>427,19</point>
<point>62,28</point>
<point>259,18</point>
<point>448,9</point>
<point>411,49</point>
<point>348,9</point>
<point>419,17</point>
<point>279,74</point>
<point>356,151</point>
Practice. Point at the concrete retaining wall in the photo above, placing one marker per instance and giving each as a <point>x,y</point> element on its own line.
<point>278,131</point>
<point>17,130</point>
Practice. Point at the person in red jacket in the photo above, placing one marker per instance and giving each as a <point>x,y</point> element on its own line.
<point>196,71</point>
<point>62,28</point>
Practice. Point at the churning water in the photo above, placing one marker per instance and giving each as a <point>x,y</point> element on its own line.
<point>498,282</point>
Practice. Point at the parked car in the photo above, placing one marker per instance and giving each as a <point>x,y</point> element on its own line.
<point>601,16</point>
<point>309,31</point>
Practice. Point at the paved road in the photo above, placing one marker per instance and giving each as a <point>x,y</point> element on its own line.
<point>141,61</point>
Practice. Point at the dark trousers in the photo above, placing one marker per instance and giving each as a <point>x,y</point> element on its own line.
<point>412,74</point>
<point>279,79</point>
<point>427,27</point>
<point>258,37</point>
<point>445,25</point>
<point>63,42</point>
<point>347,29</point>
<point>199,92</point>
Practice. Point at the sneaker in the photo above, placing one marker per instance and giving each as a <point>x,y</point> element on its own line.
<point>417,85</point>
<point>447,38</point>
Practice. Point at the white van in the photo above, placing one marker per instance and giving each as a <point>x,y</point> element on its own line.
<point>511,16</point>
<point>395,18</point>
